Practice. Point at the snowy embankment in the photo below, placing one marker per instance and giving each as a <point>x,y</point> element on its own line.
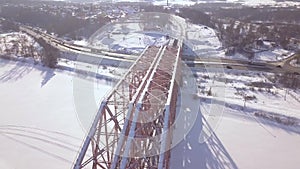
<point>294,63</point>
<point>40,127</point>
<point>17,44</point>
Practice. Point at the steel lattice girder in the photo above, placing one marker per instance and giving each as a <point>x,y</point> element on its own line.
<point>111,127</point>
<point>150,132</point>
<point>105,131</point>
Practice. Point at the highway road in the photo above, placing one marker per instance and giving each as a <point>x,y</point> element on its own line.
<point>282,66</point>
<point>273,67</point>
<point>66,46</point>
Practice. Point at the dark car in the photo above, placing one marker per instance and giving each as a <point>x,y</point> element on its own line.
<point>228,67</point>
<point>296,73</point>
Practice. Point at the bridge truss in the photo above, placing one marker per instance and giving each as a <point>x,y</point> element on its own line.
<point>133,126</point>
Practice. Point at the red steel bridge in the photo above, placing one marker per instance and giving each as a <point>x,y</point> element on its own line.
<point>133,126</point>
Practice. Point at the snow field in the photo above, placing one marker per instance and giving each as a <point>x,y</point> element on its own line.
<point>236,137</point>
<point>39,125</point>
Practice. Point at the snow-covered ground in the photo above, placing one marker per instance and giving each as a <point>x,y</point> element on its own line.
<point>273,55</point>
<point>39,124</point>
<point>252,142</point>
<point>254,3</point>
<point>81,42</point>
<point>42,125</point>
<point>202,41</point>
<point>128,38</point>
<point>267,96</point>
<point>235,137</point>
<point>294,63</point>
<point>132,35</point>
<point>240,2</point>
<point>174,2</point>
<point>19,44</point>
<point>105,71</point>
<point>270,3</point>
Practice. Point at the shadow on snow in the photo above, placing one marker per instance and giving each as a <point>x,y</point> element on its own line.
<point>191,153</point>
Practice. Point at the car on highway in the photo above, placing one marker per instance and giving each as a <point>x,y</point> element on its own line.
<point>228,67</point>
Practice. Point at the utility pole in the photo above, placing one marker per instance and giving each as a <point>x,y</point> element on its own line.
<point>286,91</point>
